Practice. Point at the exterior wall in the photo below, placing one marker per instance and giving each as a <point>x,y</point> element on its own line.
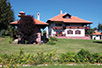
<point>71,35</point>
<point>52,31</point>
<point>82,34</point>
<point>97,37</point>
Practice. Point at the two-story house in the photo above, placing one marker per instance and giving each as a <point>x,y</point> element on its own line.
<point>68,26</point>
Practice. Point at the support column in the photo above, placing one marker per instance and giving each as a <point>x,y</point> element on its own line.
<point>39,38</point>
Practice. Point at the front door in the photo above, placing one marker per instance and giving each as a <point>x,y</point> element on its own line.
<point>58,33</point>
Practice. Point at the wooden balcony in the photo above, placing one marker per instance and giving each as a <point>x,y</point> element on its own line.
<point>88,27</point>
<point>76,27</point>
<point>58,27</point>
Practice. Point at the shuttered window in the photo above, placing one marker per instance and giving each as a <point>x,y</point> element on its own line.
<point>77,32</point>
<point>69,32</point>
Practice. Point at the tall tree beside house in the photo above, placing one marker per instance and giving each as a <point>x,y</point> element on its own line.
<point>99,27</point>
<point>27,29</point>
<point>91,31</point>
<point>6,15</point>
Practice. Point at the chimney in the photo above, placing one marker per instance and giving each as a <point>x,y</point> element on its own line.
<point>60,11</point>
<point>38,16</point>
<point>21,14</point>
<point>65,13</point>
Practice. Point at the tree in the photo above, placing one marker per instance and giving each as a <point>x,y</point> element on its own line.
<point>99,27</point>
<point>91,31</point>
<point>27,29</point>
<point>6,14</point>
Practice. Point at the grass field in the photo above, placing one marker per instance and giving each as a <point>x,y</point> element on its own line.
<point>66,66</point>
<point>63,45</point>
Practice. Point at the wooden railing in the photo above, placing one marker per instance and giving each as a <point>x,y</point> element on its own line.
<point>76,27</point>
<point>57,27</point>
<point>71,27</point>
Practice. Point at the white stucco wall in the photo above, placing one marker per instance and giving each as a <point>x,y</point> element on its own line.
<point>75,35</point>
<point>71,35</point>
<point>97,37</point>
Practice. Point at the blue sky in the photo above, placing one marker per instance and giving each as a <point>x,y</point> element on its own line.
<point>90,10</point>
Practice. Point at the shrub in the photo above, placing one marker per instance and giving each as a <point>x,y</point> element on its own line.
<point>67,57</point>
<point>52,41</point>
<point>14,59</point>
<point>53,38</point>
<point>2,33</point>
<point>83,56</point>
<point>0,59</point>
<point>98,57</point>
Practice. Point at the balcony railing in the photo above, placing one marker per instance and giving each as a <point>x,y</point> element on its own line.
<point>76,27</point>
<point>57,27</point>
<point>88,27</point>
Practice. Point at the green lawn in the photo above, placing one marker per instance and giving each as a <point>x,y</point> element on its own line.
<point>63,45</point>
<point>65,66</point>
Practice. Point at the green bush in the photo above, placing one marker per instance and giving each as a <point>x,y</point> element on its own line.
<point>98,57</point>
<point>2,33</point>
<point>67,57</point>
<point>83,56</point>
<point>53,38</point>
<point>52,41</point>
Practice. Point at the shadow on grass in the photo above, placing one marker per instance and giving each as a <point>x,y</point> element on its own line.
<point>97,41</point>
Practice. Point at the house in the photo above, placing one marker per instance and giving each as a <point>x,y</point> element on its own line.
<point>68,26</point>
<point>97,35</point>
<point>38,23</point>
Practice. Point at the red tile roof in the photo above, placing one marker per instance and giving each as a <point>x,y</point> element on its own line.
<point>37,22</point>
<point>68,20</point>
<point>97,33</point>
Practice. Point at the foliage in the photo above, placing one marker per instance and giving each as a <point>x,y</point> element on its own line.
<point>2,33</point>
<point>52,41</point>
<point>97,57</point>
<point>53,38</point>
<point>83,56</point>
<point>27,29</point>
<point>67,57</point>
<point>6,14</point>
<point>99,27</point>
<point>91,31</point>
<point>11,31</point>
<point>14,59</point>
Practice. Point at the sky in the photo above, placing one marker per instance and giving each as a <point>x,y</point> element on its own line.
<point>90,10</point>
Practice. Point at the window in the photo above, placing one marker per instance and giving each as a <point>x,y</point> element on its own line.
<point>70,32</point>
<point>77,32</point>
<point>67,17</point>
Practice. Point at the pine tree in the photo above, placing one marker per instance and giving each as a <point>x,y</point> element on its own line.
<point>6,14</point>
